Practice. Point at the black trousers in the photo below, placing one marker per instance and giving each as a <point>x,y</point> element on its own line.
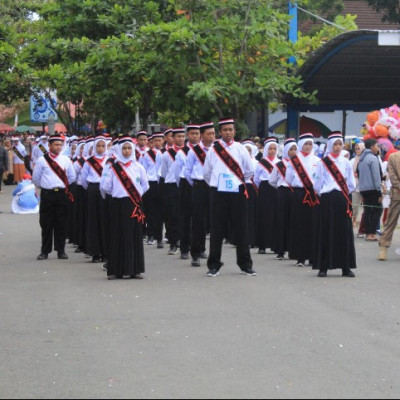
<point>229,207</point>
<point>53,219</point>
<point>372,210</point>
<point>1,176</point>
<point>200,218</point>
<point>185,214</point>
<point>171,201</point>
<point>153,202</point>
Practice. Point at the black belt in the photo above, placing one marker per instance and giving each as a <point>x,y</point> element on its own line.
<point>54,190</point>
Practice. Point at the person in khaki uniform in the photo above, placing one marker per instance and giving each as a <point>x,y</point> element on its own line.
<point>394,209</point>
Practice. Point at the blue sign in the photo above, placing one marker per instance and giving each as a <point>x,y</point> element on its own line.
<point>43,107</point>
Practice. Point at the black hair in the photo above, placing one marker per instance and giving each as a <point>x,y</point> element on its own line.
<point>370,143</point>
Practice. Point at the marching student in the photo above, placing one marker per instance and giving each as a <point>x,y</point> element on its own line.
<point>283,199</point>
<point>126,181</point>
<point>194,173</point>
<point>171,192</point>
<point>334,182</point>
<point>300,175</point>
<point>54,173</point>
<point>141,147</point>
<point>185,190</point>
<point>252,190</point>
<point>228,165</point>
<point>266,199</point>
<point>40,149</point>
<point>90,180</point>
<point>153,199</point>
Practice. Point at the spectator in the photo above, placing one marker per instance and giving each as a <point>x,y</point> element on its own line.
<point>370,182</point>
<point>4,162</point>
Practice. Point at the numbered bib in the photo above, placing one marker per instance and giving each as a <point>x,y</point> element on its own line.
<point>228,183</point>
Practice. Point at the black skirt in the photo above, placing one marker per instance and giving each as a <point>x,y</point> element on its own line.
<point>81,200</point>
<point>335,239</point>
<point>283,217</point>
<point>303,228</point>
<point>126,250</point>
<point>96,227</point>
<point>72,233</point>
<point>266,203</point>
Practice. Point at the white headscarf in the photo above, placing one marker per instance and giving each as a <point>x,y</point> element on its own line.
<point>303,139</point>
<point>267,144</point>
<point>97,140</point>
<point>289,143</point>
<point>119,156</point>
<point>88,147</point>
<point>331,141</point>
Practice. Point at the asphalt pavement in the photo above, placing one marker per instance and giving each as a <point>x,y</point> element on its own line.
<point>68,332</point>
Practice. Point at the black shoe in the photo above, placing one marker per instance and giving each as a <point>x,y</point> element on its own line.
<point>79,250</point>
<point>280,257</point>
<point>96,260</point>
<point>322,274</point>
<point>62,256</point>
<point>160,245</point>
<point>301,263</point>
<point>204,256</point>
<point>212,273</point>
<point>105,266</point>
<point>150,241</point>
<point>185,256</point>
<point>348,273</point>
<point>195,262</point>
<point>173,250</point>
<point>43,256</point>
<point>262,251</point>
<point>248,272</point>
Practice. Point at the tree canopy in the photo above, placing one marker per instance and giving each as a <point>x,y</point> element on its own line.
<point>173,60</point>
<point>390,9</point>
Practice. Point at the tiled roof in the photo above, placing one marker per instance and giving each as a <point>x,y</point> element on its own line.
<point>367,17</point>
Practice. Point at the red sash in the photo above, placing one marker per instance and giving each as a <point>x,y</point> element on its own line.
<point>41,147</point>
<point>137,154</point>
<point>200,154</point>
<point>19,155</point>
<point>339,178</point>
<point>281,167</point>
<point>311,197</point>
<point>110,160</point>
<point>231,163</point>
<point>172,153</point>
<point>152,154</point>
<point>133,193</point>
<point>81,161</point>
<point>95,165</point>
<point>267,165</point>
<point>60,173</point>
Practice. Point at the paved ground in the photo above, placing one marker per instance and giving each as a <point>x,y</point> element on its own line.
<point>67,332</point>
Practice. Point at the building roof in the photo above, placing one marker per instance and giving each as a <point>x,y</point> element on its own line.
<point>367,17</point>
<point>352,71</point>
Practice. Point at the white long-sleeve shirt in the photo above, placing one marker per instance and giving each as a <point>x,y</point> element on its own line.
<point>110,183</point>
<point>276,179</point>
<point>180,163</point>
<point>22,151</point>
<point>261,174</point>
<point>89,175</point>
<point>309,162</point>
<point>324,181</point>
<point>152,167</point>
<point>194,169</point>
<point>45,178</point>
<point>168,168</point>
<point>214,166</point>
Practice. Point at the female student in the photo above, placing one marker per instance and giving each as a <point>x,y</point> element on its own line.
<point>126,181</point>
<point>335,182</point>
<point>284,199</point>
<point>266,196</point>
<point>90,180</point>
<point>305,202</point>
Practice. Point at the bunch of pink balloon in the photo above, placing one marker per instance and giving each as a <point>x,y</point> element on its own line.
<point>384,123</point>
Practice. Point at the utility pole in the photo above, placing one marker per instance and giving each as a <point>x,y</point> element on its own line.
<point>292,113</point>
